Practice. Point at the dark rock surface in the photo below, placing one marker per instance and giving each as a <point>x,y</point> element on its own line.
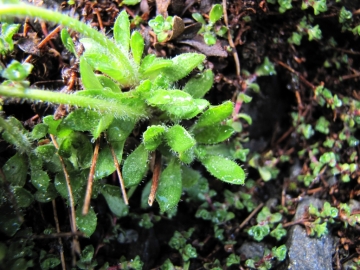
<point>304,252</point>
<point>250,250</point>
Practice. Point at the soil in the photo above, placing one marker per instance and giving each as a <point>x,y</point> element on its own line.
<point>299,69</point>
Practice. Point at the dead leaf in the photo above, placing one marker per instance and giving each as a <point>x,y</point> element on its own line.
<point>162,6</point>
<point>199,44</point>
<point>178,27</point>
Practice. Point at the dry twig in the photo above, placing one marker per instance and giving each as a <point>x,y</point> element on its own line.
<point>90,182</point>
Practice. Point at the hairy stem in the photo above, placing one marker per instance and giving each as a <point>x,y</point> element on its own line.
<point>24,10</point>
<point>104,106</point>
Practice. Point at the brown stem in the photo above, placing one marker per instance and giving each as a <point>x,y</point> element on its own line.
<point>295,222</point>
<point>62,257</point>
<point>56,235</point>
<point>121,180</point>
<point>253,213</point>
<point>76,245</point>
<point>301,77</point>
<point>90,181</point>
<point>231,43</point>
<point>45,40</point>
<point>155,178</point>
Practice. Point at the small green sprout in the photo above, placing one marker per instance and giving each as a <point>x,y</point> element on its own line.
<point>347,217</point>
<point>161,26</point>
<point>284,5</point>
<point>187,251</point>
<point>266,221</point>
<point>318,5</point>
<point>327,215</point>
<point>265,262</point>
<point>208,29</point>
<point>135,263</point>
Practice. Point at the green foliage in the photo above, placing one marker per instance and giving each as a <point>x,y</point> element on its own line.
<point>179,242</point>
<point>86,259</point>
<point>321,218</point>
<point>266,68</point>
<point>318,5</point>
<point>6,37</point>
<point>265,262</point>
<point>161,26</point>
<point>208,30</point>
<point>266,221</point>
<point>135,263</point>
<point>104,108</point>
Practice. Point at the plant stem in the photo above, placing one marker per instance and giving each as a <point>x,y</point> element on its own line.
<point>121,180</point>
<point>90,182</point>
<point>24,10</point>
<point>62,257</point>
<point>103,106</point>
<point>76,245</point>
<point>155,178</point>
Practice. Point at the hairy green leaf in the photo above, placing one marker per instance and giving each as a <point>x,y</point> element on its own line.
<point>39,131</point>
<point>68,42</point>
<point>182,65</point>
<point>137,46</point>
<point>152,137</point>
<point>216,13</point>
<point>213,134</point>
<point>105,163</point>
<point>119,130</point>
<point>199,85</point>
<point>87,223</point>
<point>179,139</point>
<point>88,78</point>
<point>114,200</point>
<point>122,31</point>
<point>151,66</point>
<point>78,185</point>
<point>82,120</point>
<point>40,179</point>
<point>175,102</point>
<point>189,176</point>
<point>215,114</point>
<point>224,169</point>
<point>22,196</point>
<point>46,196</point>
<point>106,82</point>
<point>102,125</point>
<point>170,187</point>
<point>135,166</point>
<point>15,170</point>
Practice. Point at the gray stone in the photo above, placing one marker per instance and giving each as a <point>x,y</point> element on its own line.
<point>250,250</point>
<point>304,252</point>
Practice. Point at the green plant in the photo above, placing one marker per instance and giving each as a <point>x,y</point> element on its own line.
<point>284,4</point>
<point>208,29</point>
<point>161,26</point>
<point>7,32</point>
<point>187,251</point>
<point>317,223</point>
<point>346,215</point>
<point>305,27</point>
<point>265,262</point>
<point>107,109</point>
<point>266,221</point>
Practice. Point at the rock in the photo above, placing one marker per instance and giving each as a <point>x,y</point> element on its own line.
<point>306,252</point>
<point>250,250</point>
